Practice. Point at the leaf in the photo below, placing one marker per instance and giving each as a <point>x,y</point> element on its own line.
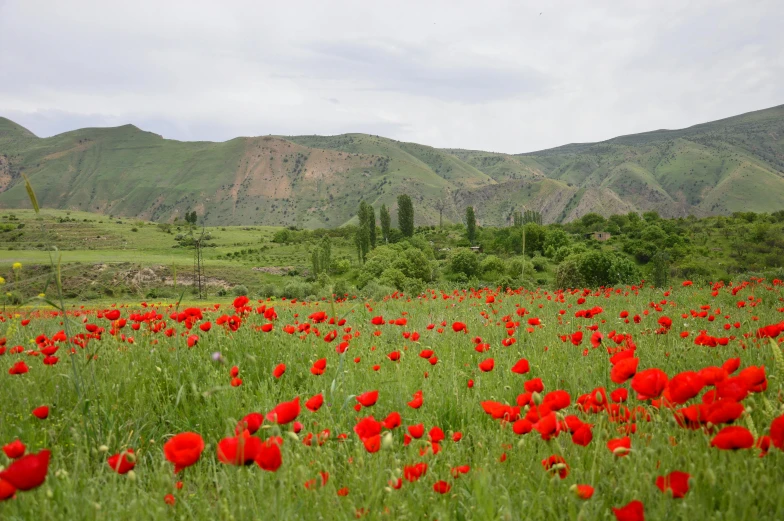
<point>31,194</point>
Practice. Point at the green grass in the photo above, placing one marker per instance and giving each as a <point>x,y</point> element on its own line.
<point>142,394</point>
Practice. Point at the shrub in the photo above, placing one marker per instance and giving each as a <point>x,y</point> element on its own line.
<point>239,290</point>
<point>464,261</point>
<point>491,263</point>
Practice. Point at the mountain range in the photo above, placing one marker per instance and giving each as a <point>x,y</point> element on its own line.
<point>733,164</point>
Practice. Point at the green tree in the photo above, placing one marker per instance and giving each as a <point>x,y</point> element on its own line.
<point>517,219</point>
<point>471,224</point>
<point>371,226</point>
<point>386,222</point>
<point>405,215</point>
<point>362,238</point>
<point>464,261</point>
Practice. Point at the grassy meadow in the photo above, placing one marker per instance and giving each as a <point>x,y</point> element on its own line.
<point>137,386</point>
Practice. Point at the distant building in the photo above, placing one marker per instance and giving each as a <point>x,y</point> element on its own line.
<point>599,236</point>
<point>476,249</point>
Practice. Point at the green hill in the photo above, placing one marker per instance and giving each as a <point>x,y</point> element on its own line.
<point>734,164</point>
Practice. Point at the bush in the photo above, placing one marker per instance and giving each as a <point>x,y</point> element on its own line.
<point>464,261</point>
<point>375,291</point>
<point>596,268</point>
<point>539,263</point>
<point>393,277</point>
<point>268,290</point>
<point>239,290</point>
<point>297,290</point>
<point>491,263</point>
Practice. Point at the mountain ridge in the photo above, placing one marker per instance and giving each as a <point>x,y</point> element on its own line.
<point>732,164</point>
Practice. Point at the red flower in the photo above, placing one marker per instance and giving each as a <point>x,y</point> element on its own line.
<point>442,487</point>
<point>534,385</point>
<point>459,326</point>
<point>27,472</point>
<point>7,490</point>
<point>251,421</point>
<point>18,368</point>
<point>557,464</point>
<point>521,367</point>
<point>193,340</point>
<point>417,400</point>
<point>314,403</point>
<point>279,370</point>
<point>239,450</point>
<point>392,421</point>
<point>634,511</point>
<point>122,463</point>
<point>676,481</point>
<point>649,383</point>
<point>620,446</point>
<point>414,472</point>
<point>169,499</point>
<point>733,438</point>
<point>777,432</point>
<point>285,412</point>
<point>14,450</point>
<point>624,369</point>
<point>416,431</point>
<point>685,386</point>
<point>268,456</point>
<point>583,491</point>
<point>41,412</point>
<point>319,366</point>
<point>183,450</point>
<point>487,365</point>
<point>368,399</point>
<point>343,492</point>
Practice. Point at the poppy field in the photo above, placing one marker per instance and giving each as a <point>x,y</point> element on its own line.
<point>623,403</point>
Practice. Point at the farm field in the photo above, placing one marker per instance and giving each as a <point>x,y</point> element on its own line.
<point>618,403</point>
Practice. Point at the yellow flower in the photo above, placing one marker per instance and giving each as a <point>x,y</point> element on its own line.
<point>17,266</point>
<point>2,281</point>
<point>41,295</point>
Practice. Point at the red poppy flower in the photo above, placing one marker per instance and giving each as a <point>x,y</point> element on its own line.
<point>487,365</point>
<point>314,403</point>
<point>343,492</point>
<point>319,366</point>
<point>14,450</point>
<point>777,432</point>
<point>521,367</point>
<point>442,487</point>
<point>19,367</point>
<point>193,340</point>
<point>619,395</point>
<point>368,399</point>
<point>279,370</point>
<point>583,491</point>
<point>583,435</point>
<point>417,400</point>
<point>649,383</point>
<point>620,446</point>
<point>685,386</point>
<point>169,499</point>
<point>41,412</point>
<point>414,472</point>
<point>416,431</point>
<point>183,450</point>
<point>285,412</point>
<point>634,511</point>
<point>733,438</point>
<point>392,421</point>
<point>557,464</point>
<point>7,490</point>
<point>123,462</point>
<point>268,456</point>
<point>676,481</point>
<point>459,326</point>
<point>252,422</point>
<point>27,472</point>
<point>624,369</point>
<point>238,450</point>
<point>534,385</point>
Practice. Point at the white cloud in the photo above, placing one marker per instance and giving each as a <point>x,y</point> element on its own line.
<point>500,76</point>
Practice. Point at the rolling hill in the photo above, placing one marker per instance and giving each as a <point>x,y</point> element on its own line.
<point>734,164</point>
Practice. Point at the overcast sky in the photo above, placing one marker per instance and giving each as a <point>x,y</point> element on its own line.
<point>501,76</point>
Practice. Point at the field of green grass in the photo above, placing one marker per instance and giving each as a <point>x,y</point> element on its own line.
<point>144,378</point>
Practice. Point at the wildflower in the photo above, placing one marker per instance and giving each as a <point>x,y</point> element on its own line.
<point>183,450</point>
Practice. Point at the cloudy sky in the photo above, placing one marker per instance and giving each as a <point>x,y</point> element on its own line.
<point>502,76</point>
